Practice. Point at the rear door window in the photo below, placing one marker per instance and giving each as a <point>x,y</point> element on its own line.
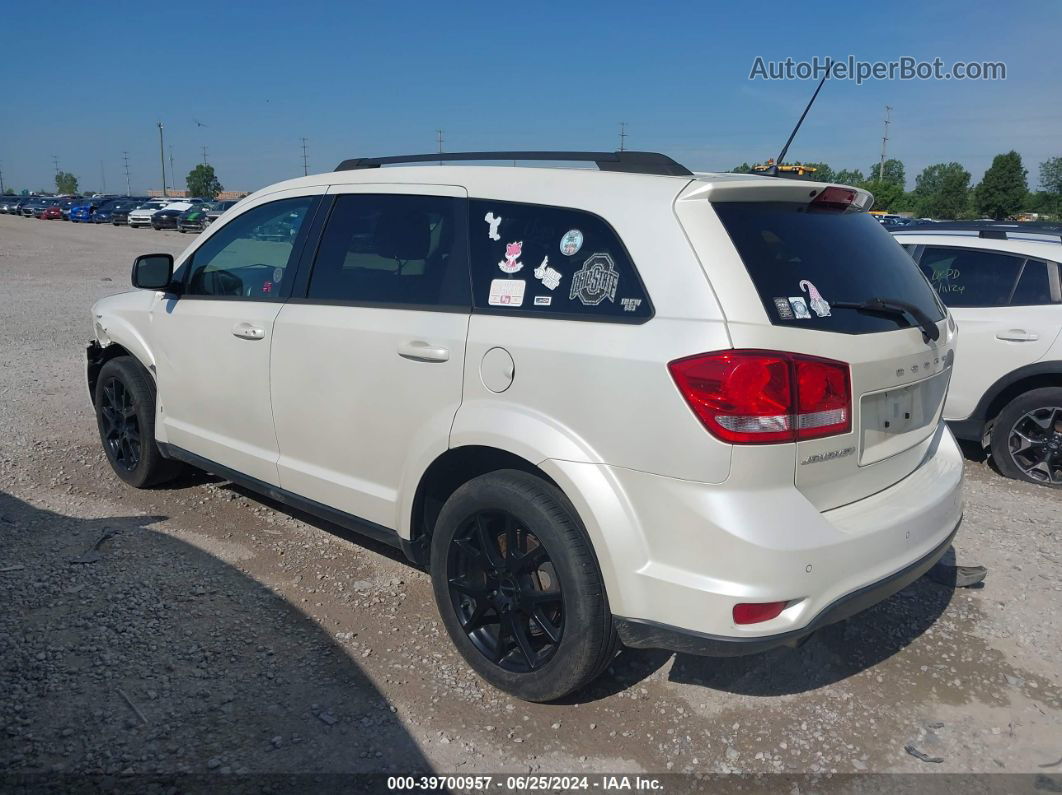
<point>969,277</point>
<point>552,261</point>
<point>393,250</point>
<point>803,260</point>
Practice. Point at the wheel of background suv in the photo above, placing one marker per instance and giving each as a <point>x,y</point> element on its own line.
<point>1027,437</point>
<point>518,587</point>
<point>125,414</point>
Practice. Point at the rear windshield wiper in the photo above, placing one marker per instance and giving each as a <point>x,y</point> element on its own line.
<point>897,308</point>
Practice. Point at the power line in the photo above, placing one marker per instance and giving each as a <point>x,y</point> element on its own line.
<point>305,160</point>
<point>884,141</point>
<point>55,159</point>
<point>623,136</point>
<point>205,162</point>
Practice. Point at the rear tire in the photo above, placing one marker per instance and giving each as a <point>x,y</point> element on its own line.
<point>518,587</point>
<point>1026,440</point>
<point>125,415</point>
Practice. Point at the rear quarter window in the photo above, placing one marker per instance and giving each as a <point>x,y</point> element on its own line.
<point>554,262</point>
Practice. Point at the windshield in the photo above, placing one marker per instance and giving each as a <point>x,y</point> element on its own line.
<point>801,259</point>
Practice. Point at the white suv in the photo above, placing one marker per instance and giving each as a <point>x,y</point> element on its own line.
<point>688,411</point>
<point>141,216</point>
<point>1001,281</point>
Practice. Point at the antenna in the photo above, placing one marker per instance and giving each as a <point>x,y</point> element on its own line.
<point>773,170</point>
<point>305,162</point>
<point>884,141</point>
<point>128,184</point>
<point>439,140</point>
<point>623,136</point>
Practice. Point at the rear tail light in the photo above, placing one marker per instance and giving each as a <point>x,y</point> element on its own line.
<point>763,397</point>
<point>756,612</point>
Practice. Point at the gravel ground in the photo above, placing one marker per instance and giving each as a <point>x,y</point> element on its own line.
<point>198,628</point>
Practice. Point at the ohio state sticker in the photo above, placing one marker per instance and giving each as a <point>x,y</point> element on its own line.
<point>506,292</point>
<point>595,281</point>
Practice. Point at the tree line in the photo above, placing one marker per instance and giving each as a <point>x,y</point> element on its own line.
<point>202,182</point>
<point>943,190</point>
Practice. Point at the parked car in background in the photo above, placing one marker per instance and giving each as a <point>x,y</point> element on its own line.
<point>652,430</point>
<point>8,203</point>
<point>44,206</point>
<point>53,212</point>
<point>197,217</point>
<point>117,212</point>
<point>166,218</point>
<point>33,205</point>
<point>141,216</point>
<point>67,204</point>
<point>84,210</point>
<point>217,209</point>
<point>1003,285</point>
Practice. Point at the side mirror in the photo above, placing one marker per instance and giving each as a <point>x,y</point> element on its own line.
<point>153,271</point>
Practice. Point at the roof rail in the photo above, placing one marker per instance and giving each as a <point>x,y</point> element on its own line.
<point>991,230</point>
<point>625,161</point>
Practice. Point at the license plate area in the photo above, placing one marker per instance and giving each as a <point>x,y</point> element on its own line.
<point>895,420</point>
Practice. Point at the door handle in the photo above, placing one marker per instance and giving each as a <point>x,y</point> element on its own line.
<point>1017,335</point>
<point>420,351</point>
<point>248,331</point>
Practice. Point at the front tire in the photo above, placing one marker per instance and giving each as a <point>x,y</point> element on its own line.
<point>125,415</point>
<point>518,587</point>
<point>1027,438</point>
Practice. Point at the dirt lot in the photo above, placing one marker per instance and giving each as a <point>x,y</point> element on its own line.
<point>198,628</point>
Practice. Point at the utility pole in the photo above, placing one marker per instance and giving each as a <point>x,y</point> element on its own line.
<point>162,159</point>
<point>884,141</point>
<point>1,180</point>
<point>439,140</point>
<point>623,136</point>
<point>173,172</point>
<point>128,184</point>
<point>305,161</point>
<point>205,156</point>
<point>103,179</point>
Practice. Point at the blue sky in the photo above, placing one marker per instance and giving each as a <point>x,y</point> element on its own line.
<point>85,81</point>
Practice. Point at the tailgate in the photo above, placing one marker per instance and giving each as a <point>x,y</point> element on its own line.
<point>794,275</point>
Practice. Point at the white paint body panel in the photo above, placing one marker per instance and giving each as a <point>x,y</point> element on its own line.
<point>683,525</point>
<point>996,340</point>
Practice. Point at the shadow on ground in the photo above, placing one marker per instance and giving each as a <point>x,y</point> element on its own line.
<point>152,656</point>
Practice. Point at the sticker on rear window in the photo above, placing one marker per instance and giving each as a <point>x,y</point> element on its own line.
<point>630,304</point>
<point>495,222</point>
<point>571,242</point>
<point>543,300</point>
<point>785,312</point>
<point>511,263</point>
<point>818,304</point>
<point>595,281</point>
<point>550,277</point>
<point>506,292</point>
<point>800,307</point>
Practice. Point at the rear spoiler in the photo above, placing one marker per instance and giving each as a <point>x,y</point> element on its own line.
<point>733,188</point>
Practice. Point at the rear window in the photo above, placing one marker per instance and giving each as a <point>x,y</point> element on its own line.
<point>969,277</point>
<point>804,260</point>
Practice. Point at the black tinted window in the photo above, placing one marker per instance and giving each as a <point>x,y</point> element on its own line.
<point>393,250</point>
<point>1034,285</point>
<point>802,260</point>
<point>971,277</point>
<point>253,255</point>
<point>551,261</point>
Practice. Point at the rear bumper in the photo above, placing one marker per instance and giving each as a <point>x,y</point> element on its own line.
<point>640,634</point>
<point>678,555</point>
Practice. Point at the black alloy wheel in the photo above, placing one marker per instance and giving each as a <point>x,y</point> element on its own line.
<point>506,591</point>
